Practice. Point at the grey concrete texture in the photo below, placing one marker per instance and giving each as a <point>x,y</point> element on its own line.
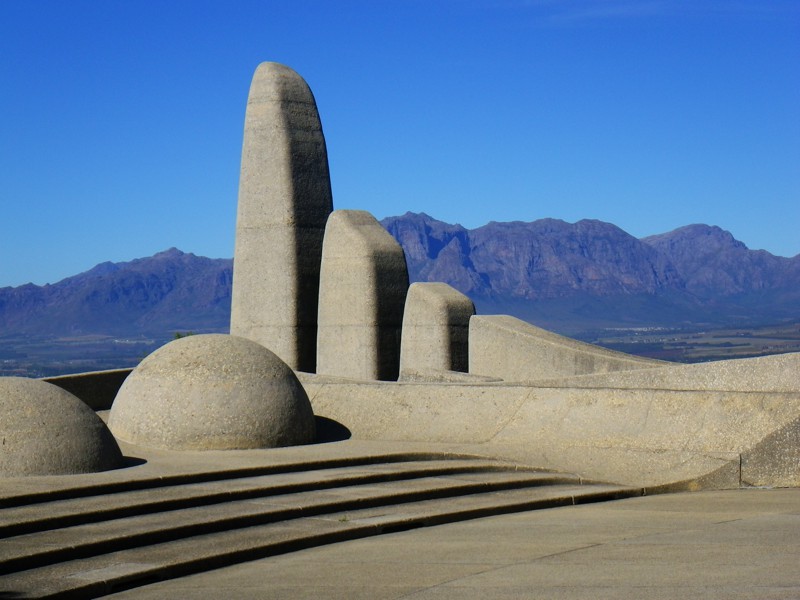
<point>96,388</point>
<point>365,508</point>
<point>440,376</point>
<point>160,467</point>
<point>363,286</point>
<point>513,350</point>
<point>739,544</point>
<point>435,329</point>
<point>215,391</point>
<point>284,201</point>
<point>651,438</point>
<point>46,430</point>
<point>179,510</point>
<point>777,373</point>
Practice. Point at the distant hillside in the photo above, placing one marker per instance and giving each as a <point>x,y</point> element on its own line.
<point>568,277</point>
<point>147,296</point>
<point>713,264</point>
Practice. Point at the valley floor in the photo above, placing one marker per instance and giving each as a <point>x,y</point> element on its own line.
<point>692,345</point>
<point>44,356</point>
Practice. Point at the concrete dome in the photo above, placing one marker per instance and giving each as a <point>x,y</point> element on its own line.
<point>212,392</point>
<point>48,431</point>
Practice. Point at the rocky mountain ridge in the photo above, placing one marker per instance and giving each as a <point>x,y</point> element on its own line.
<point>576,276</point>
<point>565,276</point>
<point>171,290</point>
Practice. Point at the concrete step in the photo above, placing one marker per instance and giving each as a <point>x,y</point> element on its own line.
<point>41,516</point>
<point>76,552</point>
<point>107,573</point>
<point>46,547</point>
<point>124,480</point>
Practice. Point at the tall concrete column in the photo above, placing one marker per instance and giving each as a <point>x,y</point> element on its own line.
<point>284,201</point>
<point>363,287</point>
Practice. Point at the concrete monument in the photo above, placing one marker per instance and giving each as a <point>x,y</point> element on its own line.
<point>284,201</point>
<point>363,284</point>
<point>538,422</point>
<point>435,329</point>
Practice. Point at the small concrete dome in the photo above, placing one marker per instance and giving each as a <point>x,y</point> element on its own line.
<point>48,431</point>
<point>212,392</point>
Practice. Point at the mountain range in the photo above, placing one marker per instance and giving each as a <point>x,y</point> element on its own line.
<point>576,276</point>
<point>569,277</point>
<point>171,291</point>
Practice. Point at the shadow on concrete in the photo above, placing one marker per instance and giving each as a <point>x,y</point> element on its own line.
<point>132,461</point>
<point>329,430</point>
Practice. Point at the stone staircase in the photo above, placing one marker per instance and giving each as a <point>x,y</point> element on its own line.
<point>85,541</point>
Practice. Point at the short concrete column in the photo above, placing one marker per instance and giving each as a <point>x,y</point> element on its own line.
<point>284,202</point>
<point>435,329</point>
<point>363,285</point>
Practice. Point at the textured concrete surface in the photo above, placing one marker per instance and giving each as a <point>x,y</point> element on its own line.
<point>216,391</point>
<point>96,388</point>
<point>695,439</point>
<point>45,430</point>
<point>167,466</point>
<point>92,534</point>
<point>740,544</point>
<point>435,329</point>
<point>778,373</point>
<point>363,285</point>
<point>284,201</point>
<point>680,438</point>
<point>439,376</point>
<point>513,350</point>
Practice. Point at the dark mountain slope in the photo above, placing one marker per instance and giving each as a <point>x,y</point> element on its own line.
<point>714,264</point>
<point>171,290</point>
<point>589,274</point>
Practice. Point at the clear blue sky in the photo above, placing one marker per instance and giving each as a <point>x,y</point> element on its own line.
<point>122,120</point>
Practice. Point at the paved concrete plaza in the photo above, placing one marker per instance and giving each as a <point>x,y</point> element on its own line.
<point>716,544</point>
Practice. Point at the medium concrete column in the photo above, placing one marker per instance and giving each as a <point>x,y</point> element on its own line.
<point>284,201</point>
<point>363,285</point>
<point>435,329</point>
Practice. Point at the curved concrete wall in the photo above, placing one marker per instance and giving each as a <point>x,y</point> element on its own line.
<point>651,438</point>
<point>778,373</point>
<point>513,350</point>
<point>724,433</point>
<point>97,388</point>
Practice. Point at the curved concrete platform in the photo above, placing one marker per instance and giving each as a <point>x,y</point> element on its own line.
<point>647,436</point>
<point>430,453</point>
<point>739,544</point>
<point>706,426</point>
<point>187,512</point>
